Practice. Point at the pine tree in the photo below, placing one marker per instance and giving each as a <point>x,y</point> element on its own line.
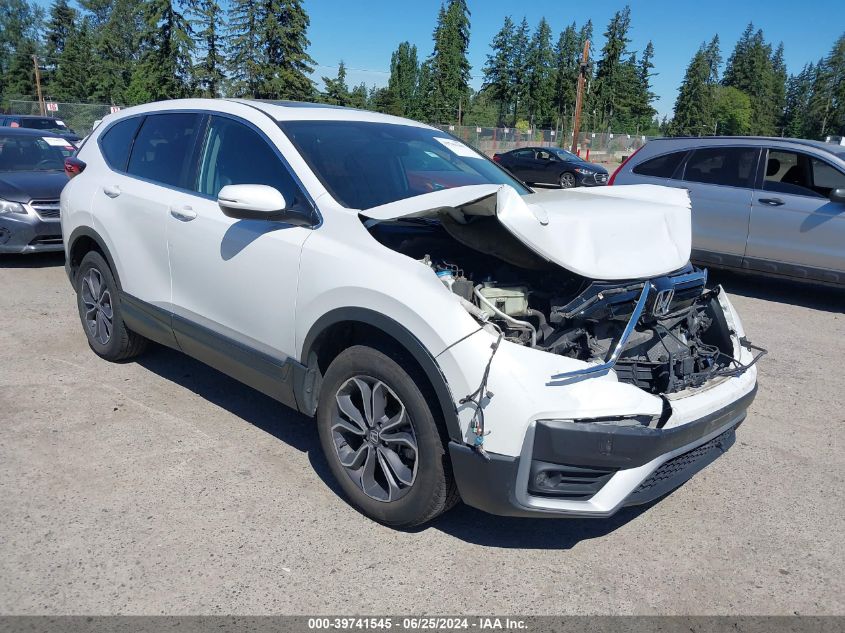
<point>245,56</point>
<point>20,23</point>
<point>267,56</point>
<point>752,69</point>
<point>336,92</point>
<point>358,97</point>
<point>826,107</point>
<point>641,111</point>
<point>166,44</point>
<point>798,93</point>
<point>20,78</point>
<point>567,58</point>
<point>497,70</point>
<point>115,28</point>
<point>60,28</point>
<point>208,66</point>
<point>72,80</point>
<point>404,78</point>
<point>694,105</point>
<point>285,37</point>
<point>450,68</point>
<point>609,81</point>
<point>540,79</point>
<point>519,68</point>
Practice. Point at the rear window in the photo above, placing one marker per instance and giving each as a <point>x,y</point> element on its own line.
<point>660,166</point>
<point>117,141</point>
<point>44,124</point>
<point>728,166</point>
<point>162,147</point>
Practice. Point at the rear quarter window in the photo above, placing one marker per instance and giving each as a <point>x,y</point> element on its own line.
<point>726,166</point>
<point>117,141</point>
<point>660,166</point>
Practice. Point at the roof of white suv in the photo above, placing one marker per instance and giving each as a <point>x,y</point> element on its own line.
<point>277,110</point>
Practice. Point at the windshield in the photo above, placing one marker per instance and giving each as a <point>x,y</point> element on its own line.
<point>364,164</point>
<point>33,153</point>
<point>566,154</point>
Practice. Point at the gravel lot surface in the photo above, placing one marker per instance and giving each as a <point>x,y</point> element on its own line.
<point>162,486</point>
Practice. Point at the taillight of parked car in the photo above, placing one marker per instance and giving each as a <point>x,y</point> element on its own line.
<point>624,162</point>
<point>73,166</point>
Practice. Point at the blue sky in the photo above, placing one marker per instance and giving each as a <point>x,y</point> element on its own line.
<point>364,33</point>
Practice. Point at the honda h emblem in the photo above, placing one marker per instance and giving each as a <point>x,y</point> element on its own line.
<point>663,301</point>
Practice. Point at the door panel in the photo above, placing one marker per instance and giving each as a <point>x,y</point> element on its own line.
<point>236,279</point>
<point>132,208</point>
<point>795,229</point>
<point>719,180</point>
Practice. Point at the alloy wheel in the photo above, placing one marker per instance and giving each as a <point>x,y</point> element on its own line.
<point>374,438</point>
<point>99,313</point>
<point>567,180</point>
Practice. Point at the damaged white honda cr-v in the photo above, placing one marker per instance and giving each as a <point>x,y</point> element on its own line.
<point>455,333</point>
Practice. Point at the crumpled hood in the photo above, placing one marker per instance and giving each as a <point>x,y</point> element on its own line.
<point>606,233</point>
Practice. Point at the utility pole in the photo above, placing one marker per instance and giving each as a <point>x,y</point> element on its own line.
<point>38,86</point>
<point>579,95</point>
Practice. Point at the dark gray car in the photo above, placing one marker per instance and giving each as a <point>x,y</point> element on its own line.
<point>31,179</point>
<point>767,205</point>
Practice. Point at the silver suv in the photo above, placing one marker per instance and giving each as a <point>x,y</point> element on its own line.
<point>767,205</point>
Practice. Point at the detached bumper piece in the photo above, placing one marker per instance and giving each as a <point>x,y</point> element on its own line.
<point>590,469</point>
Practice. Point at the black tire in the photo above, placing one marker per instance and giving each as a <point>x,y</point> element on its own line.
<point>432,490</point>
<point>121,343</point>
<point>567,180</point>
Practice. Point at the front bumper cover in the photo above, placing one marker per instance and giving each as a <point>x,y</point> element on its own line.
<point>29,234</point>
<point>635,465</point>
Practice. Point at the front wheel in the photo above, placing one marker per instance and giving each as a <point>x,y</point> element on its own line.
<point>382,443</point>
<point>567,180</point>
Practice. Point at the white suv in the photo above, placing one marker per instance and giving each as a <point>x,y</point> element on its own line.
<point>454,333</point>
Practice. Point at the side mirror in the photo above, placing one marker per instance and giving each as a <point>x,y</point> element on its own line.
<point>260,202</point>
<point>837,195</point>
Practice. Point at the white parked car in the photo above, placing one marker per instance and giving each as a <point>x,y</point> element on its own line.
<point>454,333</point>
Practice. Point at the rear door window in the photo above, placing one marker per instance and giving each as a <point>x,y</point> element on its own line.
<point>163,147</point>
<point>116,142</point>
<point>660,166</point>
<point>727,166</point>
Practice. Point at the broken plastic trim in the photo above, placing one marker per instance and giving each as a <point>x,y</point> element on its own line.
<point>600,370</point>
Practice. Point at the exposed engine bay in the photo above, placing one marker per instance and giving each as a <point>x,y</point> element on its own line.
<point>679,340</point>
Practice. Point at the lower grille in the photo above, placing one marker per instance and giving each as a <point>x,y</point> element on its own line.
<point>676,466</point>
<point>46,209</point>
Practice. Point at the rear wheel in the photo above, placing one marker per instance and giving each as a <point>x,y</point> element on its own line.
<point>99,310</point>
<point>567,180</point>
<point>381,441</point>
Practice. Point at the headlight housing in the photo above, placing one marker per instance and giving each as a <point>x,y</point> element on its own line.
<point>585,172</point>
<point>11,207</point>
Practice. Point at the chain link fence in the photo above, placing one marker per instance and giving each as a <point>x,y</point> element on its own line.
<point>601,147</point>
<point>80,117</point>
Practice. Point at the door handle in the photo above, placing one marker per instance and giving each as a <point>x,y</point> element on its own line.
<point>185,214</point>
<point>772,202</point>
<point>112,191</point>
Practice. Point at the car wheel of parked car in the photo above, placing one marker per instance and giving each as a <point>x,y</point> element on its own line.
<point>99,310</point>
<point>381,440</point>
<point>567,180</point>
